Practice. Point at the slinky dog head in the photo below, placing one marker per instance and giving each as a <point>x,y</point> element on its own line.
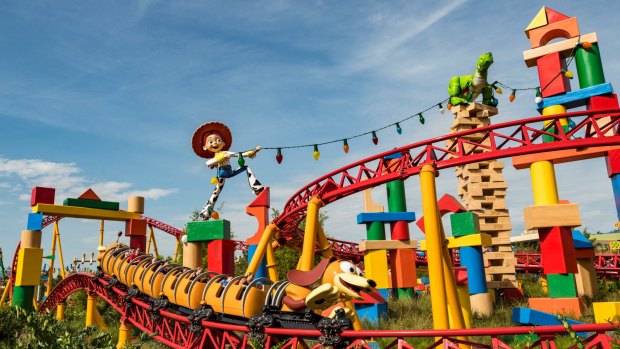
<point>341,273</point>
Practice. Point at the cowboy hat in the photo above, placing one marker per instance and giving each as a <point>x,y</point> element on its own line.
<point>207,129</point>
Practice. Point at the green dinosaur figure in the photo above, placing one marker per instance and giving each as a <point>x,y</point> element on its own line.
<point>464,89</point>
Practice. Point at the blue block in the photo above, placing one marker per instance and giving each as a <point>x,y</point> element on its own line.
<point>425,280</point>
<point>615,184</point>
<point>370,217</point>
<point>577,98</point>
<point>580,241</point>
<point>385,292</point>
<point>393,156</point>
<point>373,345</point>
<point>35,221</point>
<point>527,316</point>
<point>471,258</point>
<point>262,268</point>
<point>371,312</point>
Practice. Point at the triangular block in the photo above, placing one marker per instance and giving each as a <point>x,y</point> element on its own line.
<point>539,20</point>
<point>262,200</point>
<point>554,16</point>
<point>89,195</point>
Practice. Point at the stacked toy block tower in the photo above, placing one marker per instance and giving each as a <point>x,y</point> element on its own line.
<point>482,189</point>
<point>220,249</point>
<point>554,219</point>
<point>259,209</point>
<point>587,283</point>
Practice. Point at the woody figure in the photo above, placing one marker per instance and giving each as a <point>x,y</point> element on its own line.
<point>212,142</point>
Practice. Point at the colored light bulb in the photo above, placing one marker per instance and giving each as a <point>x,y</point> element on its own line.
<point>316,154</point>
<point>279,156</point>
<point>513,95</point>
<point>421,118</point>
<point>538,98</point>
<point>449,106</point>
<point>213,180</point>
<point>398,129</point>
<point>345,146</point>
<point>568,74</point>
<point>241,160</point>
<point>498,90</point>
<point>375,139</point>
<point>440,108</point>
<point>586,45</point>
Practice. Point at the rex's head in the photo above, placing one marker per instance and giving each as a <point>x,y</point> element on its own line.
<point>484,61</point>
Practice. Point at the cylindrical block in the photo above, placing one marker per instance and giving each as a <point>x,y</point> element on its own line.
<point>400,230</point>
<point>135,204</point>
<point>192,255</point>
<point>471,257</point>
<point>31,239</point>
<point>481,304</point>
<point>589,66</point>
<point>544,186</point>
<point>396,196</point>
<point>376,231</point>
<point>23,296</point>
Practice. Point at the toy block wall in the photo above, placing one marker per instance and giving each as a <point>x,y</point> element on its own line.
<point>482,189</point>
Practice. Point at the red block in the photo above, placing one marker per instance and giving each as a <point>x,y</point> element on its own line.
<point>138,241</point>
<point>399,230</point>
<point>460,275</point>
<point>135,227</point>
<point>549,66</point>
<point>221,256</point>
<point>586,253</point>
<point>402,264</point>
<point>89,195</point>
<point>558,250</point>
<point>613,163</point>
<point>447,204</point>
<point>42,195</point>
<point>554,16</point>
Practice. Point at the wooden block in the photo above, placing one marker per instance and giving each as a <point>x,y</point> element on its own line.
<point>564,48</point>
<point>138,242</point>
<point>469,240</point>
<point>35,221</point>
<point>387,244</point>
<point>464,223</point>
<point>605,312</point>
<point>578,98</point>
<point>608,101</point>
<point>585,279</point>
<point>376,267</point>
<point>403,268</point>
<point>208,230</point>
<point>42,195</point>
<point>192,255</point>
<point>135,204</point>
<point>498,284</point>
<point>82,212</point>
<point>562,156</point>
<point>369,204</point>
<point>495,227</point>
<point>29,267</point>
<point>572,307</point>
<point>102,205</point>
<point>481,304</point>
<point>221,256</point>
<point>613,162</point>
<point>558,251</point>
<point>584,253</point>
<point>550,75</point>
<point>561,285</point>
<point>31,238</point>
<point>547,216</point>
<point>500,269</point>
<point>540,36</point>
<point>135,227</point>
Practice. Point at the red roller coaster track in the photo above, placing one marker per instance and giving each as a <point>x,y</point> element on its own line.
<point>177,331</point>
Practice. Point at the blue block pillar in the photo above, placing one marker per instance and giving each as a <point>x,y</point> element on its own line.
<point>262,268</point>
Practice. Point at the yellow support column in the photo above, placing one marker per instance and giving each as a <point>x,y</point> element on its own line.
<point>324,245</point>
<point>312,221</point>
<point>91,308</point>
<point>451,291</point>
<point>434,243</point>
<point>544,186</point>
<point>50,272</point>
<point>124,335</point>
<point>261,249</point>
<point>60,311</point>
<point>272,264</point>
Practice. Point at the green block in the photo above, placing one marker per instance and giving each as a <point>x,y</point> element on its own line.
<point>396,196</point>
<point>375,231</point>
<point>589,66</point>
<point>464,223</point>
<point>561,285</point>
<point>547,138</point>
<point>102,205</point>
<point>208,230</point>
<point>404,293</point>
<point>23,296</point>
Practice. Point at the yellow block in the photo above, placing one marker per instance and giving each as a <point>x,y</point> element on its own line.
<point>376,267</point>
<point>606,311</point>
<point>481,239</point>
<point>547,216</point>
<point>29,267</point>
<point>539,21</point>
<point>82,212</point>
<point>387,244</point>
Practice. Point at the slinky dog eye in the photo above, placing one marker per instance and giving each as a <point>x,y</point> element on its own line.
<point>347,267</point>
<point>359,271</point>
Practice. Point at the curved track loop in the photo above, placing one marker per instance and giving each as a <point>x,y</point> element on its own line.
<point>177,331</point>
<point>508,139</point>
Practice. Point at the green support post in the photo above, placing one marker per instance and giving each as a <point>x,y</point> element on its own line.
<point>589,66</point>
<point>23,297</point>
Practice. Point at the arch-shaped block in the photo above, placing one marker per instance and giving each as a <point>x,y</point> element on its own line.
<point>541,36</point>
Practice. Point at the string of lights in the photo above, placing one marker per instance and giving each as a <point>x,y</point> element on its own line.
<point>497,86</point>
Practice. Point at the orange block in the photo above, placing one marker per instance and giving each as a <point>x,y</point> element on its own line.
<point>403,269</point>
<point>89,195</point>
<point>567,29</point>
<point>570,307</point>
<point>135,227</point>
<point>561,156</point>
<point>259,208</point>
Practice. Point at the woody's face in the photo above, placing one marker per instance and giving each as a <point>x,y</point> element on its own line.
<point>213,143</point>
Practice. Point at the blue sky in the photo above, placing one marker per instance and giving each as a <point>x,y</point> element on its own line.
<point>108,94</point>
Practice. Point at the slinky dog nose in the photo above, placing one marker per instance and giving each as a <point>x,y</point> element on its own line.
<point>372,283</point>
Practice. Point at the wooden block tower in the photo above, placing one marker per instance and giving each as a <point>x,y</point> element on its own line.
<point>482,189</point>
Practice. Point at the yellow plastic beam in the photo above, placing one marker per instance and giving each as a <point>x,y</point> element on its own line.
<point>481,239</point>
<point>306,260</point>
<point>261,249</point>
<point>82,212</point>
